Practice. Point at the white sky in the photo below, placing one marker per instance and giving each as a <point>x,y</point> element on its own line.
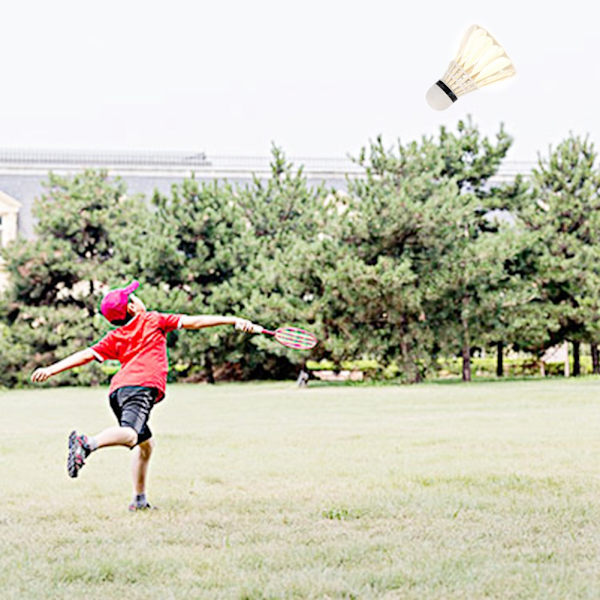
<point>317,77</point>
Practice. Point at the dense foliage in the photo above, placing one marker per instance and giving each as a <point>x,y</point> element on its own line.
<point>420,258</point>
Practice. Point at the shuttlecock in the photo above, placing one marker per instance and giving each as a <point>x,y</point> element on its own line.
<point>480,60</point>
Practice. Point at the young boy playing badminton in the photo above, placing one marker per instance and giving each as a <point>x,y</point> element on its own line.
<point>139,344</point>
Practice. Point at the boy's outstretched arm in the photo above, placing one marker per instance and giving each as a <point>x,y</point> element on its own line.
<point>74,360</point>
<point>201,321</point>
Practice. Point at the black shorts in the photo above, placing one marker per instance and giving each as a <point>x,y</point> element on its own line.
<point>132,405</point>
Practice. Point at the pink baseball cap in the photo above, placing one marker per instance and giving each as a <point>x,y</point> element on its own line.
<point>114,304</point>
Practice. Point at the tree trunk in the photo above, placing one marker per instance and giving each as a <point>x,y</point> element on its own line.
<point>500,359</point>
<point>466,362</point>
<point>209,371</point>
<point>410,367</point>
<point>418,378</point>
<point>91,308</point>
<point>595,359</point>
<point>576,359</point>
<point>404,352</point>
<point>466,349</point>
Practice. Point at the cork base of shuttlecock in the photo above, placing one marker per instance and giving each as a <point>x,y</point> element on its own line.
<point>440,97</point>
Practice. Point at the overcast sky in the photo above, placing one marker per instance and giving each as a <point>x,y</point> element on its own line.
<point>317,77</point>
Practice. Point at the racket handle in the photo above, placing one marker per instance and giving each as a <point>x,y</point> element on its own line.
<point>257,328</point>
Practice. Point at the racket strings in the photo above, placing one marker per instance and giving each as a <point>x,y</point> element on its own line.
<point>296,338</point>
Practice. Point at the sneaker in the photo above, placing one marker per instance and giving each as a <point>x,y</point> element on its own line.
<point>135,506</point>
<point>79,450</point>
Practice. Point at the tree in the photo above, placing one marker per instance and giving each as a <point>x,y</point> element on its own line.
<point>366,279</point>
<point>58,278</point>
<point>562,220</point>
<point>470,273</point>
<point>509,326</point>
<point>228,252</point>
<point>406,278</point>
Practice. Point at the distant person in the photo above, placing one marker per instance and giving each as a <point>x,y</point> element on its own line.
<point>303,376</point>
<point>140,344</point>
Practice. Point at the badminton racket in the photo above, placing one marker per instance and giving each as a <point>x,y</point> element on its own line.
<point>291,337</point>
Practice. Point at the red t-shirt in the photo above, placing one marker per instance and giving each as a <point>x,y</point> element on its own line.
<point>141,348</point>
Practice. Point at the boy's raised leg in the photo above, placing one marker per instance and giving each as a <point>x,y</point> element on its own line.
<point>80,446</point>
<point>116,436</point>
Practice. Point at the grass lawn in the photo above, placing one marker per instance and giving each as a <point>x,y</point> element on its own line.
<point>487,490</point>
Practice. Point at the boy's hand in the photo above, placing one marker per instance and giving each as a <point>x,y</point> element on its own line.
<point>41,375</point>
<point>246,326</point>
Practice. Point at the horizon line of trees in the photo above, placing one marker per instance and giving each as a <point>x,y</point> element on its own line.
<point>421,257</point>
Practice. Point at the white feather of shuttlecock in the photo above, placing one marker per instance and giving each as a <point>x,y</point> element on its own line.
<point>480,61</point>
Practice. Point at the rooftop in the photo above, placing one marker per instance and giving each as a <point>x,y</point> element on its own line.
<point>182,163</point>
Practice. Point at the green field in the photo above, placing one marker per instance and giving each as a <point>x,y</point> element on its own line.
<point>487,490</point>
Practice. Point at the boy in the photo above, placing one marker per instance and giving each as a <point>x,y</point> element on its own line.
<point>139,344</point>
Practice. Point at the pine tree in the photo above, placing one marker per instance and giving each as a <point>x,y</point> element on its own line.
<point>228,251</point>
<point>57,279</point>
<point>469,269</point>
<point>562,219</point>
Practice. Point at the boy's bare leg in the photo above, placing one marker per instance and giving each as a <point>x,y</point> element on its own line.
<point>139,471</point>
<point>80,446</point>
<point>139,465</point>
<point>116,436</point>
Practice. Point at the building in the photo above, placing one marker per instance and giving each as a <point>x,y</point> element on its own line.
<point>23,173</point>
<point>9,219</point>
